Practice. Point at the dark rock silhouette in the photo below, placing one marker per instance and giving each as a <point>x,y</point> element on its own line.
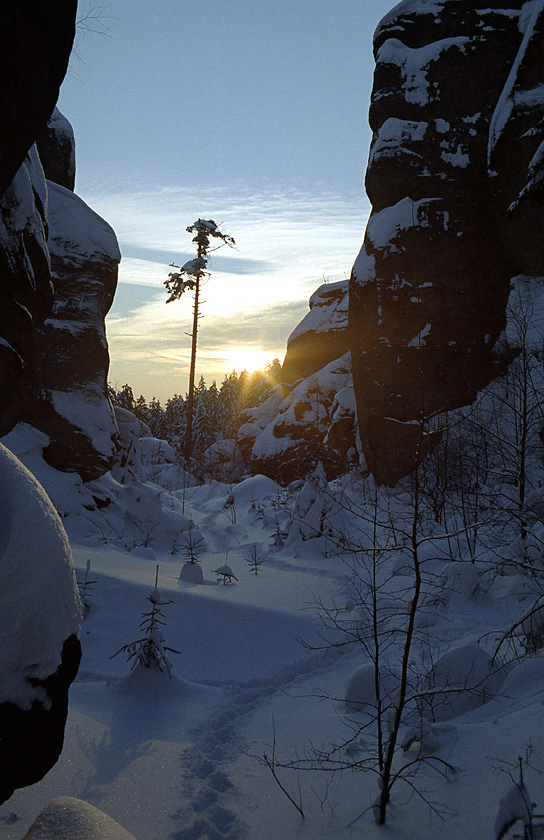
<point>57,151</point>
<point>26,291</point>
<point>35,43</point>
<point>448,228</point>
<point>32,738</point>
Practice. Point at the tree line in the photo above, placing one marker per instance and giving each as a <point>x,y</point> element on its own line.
<point>218,411</point>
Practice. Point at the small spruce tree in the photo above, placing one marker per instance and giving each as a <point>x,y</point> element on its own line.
<point>149,651</point>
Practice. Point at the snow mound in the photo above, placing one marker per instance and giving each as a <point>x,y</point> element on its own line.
<point>463,679</point>
<point>67,818</point>
<point>257,487</point>
<point>39,604</point>
<point>360,693</point>
<point>191,573</point>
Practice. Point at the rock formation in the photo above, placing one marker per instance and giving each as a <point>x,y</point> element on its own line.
<point>286,436</point>
<point>26,291</point>
<point>321,336</point>
<point>57,151</point>
<point>40,608</point>
<point>67,397</point>
<point>310,417</point>
<point>39,654</point>
<point>35,43</point>
<point>455,181</point>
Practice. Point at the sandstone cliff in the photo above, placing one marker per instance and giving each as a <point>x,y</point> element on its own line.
<point>454,177</point>
<point>40,606</point>
<point>67,396</point>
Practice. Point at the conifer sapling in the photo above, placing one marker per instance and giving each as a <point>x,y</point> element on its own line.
<point>149,651</point>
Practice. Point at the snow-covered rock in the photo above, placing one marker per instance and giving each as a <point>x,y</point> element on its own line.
<point>463,679</point>
<point>321,336</point>
<point>120,507</point>
<point>26,292</point>
<point>223,460</point>
<point>429,289</point>
<point>290,446</point>
<point>191,573</point>
<point>67,818</point>
<point>39,617</point>
<point>69,399</point>
<point>156,451</point>
<point>40,604</point>
<point>360,695</point>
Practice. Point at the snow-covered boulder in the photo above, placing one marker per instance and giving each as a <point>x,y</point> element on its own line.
<point>39,619</point>
<point>290,446</point>
<point>67,818</point>
<point>360,694</point>
<point>69,400</point>
<point>223,460</point>
<point>429,289</point>
<point>191,573</point>
<point>156,451</point>
<point>321,336</point>
<point>463,679</point>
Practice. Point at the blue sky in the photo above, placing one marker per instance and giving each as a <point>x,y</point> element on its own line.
<point>248,112</point>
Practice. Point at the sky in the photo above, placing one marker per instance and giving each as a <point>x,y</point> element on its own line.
<point>247,112</point>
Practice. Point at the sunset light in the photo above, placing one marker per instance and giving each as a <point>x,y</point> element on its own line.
<point>249,358</point>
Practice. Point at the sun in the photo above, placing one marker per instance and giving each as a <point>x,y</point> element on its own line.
<point>248,358</point>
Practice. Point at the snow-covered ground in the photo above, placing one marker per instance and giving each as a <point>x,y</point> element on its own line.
<point>181,758</point>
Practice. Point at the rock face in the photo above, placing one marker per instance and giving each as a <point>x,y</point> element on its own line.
<point>35,43</point>
<point>449,227</point>
<point>40,607</point>
<point>310,417</point>
<point>292,431</point>
<point>26,292</point>
<point>321,336</point>
<point>516,149</point>
<point>67,397</point>
<point>57,151</point>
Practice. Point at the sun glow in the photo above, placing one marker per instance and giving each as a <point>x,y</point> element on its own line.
<point>248,358</point>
